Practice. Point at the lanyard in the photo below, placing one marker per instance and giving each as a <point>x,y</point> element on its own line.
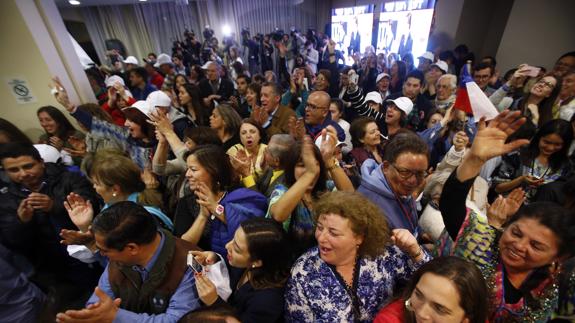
<point>406,213</point>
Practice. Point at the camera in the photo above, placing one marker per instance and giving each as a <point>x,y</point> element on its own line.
<point>208,33</point>
<point>277,34</point>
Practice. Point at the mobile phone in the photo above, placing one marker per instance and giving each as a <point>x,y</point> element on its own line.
<point>192,262</point>
<point>306,83</point>
<point>532,70</point>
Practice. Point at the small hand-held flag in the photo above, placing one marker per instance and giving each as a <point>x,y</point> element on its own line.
<point>472,100</point>
<point>462,99</point>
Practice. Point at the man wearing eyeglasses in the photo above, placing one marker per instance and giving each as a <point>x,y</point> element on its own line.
<point>317,116</point>
<point>482,73</point>
<point>391,184</point>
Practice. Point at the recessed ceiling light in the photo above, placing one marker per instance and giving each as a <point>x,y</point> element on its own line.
<point>74,2</point>
<point>143,0</point>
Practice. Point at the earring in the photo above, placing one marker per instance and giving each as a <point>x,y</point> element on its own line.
<point>114,194</point>
<point>253,265</point>
<point>408,305</point>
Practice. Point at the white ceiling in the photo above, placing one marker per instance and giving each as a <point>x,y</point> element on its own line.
<point>88,3</point>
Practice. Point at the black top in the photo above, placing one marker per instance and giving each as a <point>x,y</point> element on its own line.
<point>261,305</point>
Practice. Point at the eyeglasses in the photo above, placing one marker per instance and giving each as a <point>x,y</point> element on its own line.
<point>313,107</point>
<point>549,85</point>
<point>405,173</point>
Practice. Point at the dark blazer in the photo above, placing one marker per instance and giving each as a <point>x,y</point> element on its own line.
<point>225,90</point>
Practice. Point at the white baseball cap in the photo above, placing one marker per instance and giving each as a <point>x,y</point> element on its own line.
<point>131,60</point>
<point>428,55</point>
<point>158,99</point>
<point>403,103</point>
<point>163,59</point>
<point>48,153</point>
<point>380,76</point>
<point>111,80</point>
<point>319,141</point>
<point>142,106</point>
<point>373,96</point>
<point>441,65</point>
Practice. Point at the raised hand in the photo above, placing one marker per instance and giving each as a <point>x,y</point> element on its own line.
<point>161,122</point>
<point>490,140</point>
<point>241,163</point>
<point>460,140</point>
<point>296,128</point>
<point>407,243</point>
<point>80,211</point>
<point>206,198</point>
<point>60,94</point>
<point>327,146</point>
<point>308,157</point>
<point>504,207</point>
<point>260,115</point>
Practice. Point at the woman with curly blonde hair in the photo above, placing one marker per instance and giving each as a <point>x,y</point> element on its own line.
<point>354,269</point>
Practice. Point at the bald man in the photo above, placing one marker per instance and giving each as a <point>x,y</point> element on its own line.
<point>213,87</point>
<point>317,116</point>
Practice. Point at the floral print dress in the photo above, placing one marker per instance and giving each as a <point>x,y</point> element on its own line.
<point>315,293</point>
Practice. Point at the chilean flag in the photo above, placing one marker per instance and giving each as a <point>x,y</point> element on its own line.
<point>471,99</point>
<point>462,98</point>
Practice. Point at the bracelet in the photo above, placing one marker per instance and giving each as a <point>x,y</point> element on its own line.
<point>333,166</point>
<point>418,253</point>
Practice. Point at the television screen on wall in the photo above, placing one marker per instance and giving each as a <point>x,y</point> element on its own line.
<point>404,27</point>
<point>351,29</point>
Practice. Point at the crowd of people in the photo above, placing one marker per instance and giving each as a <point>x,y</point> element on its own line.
<point>266,182</point>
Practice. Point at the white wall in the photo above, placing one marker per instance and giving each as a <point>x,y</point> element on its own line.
<point>447,21</point>
<point>38,47</point>
<point>537,33</point>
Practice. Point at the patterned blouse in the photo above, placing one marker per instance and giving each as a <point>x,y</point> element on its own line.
<point>300,226</point>
<point>478,242</point>
<point>315,293</point>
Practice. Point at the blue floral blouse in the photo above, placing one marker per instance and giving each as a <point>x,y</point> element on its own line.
<point>315,294</point>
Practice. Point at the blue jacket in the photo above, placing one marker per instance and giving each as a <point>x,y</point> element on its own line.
<point>374,186</point>
<point>315,131</point>
<point>239,205</point>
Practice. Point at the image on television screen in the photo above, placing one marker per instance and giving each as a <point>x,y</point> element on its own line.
<point>404,27</point>
<point>351,29</point>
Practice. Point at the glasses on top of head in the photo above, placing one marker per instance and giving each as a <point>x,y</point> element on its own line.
<point>405,173</point>
<point>314,107</point>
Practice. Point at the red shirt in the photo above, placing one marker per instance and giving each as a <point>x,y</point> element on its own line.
<point>392,313</point>
<point>117,114</point>
<point>157,79</point>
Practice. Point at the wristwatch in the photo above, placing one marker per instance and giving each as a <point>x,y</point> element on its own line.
<point>219,211</point>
